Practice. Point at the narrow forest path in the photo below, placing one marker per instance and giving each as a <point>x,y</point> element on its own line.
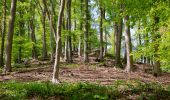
<point>93,72</point>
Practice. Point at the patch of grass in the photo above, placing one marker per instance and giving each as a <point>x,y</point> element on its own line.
<point>71,65</point>
<point>83,91</point>
<point>1,69</point>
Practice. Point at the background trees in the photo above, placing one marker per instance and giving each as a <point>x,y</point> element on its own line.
<point>87,26</point>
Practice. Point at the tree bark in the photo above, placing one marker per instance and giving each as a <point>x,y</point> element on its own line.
<point>3,34</point>
<point>33,39</point>
<point>118,38</point>
<point>69,30</point>
<point>128,45</point>
<point>101,34</point>
<point>81,29</point>
<point>52,26</point>
<point>86,31</point>
<point>10,37</point>
<point>21,33</point>
<point>44,52</point>
<point>156,36</point>
<point>55,78</point>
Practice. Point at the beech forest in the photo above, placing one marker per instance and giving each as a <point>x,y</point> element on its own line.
<point>84,49</point>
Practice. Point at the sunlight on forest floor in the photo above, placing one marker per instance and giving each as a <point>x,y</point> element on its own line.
<point>92,72</point>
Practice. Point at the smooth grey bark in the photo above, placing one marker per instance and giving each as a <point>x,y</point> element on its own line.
<point>32,33</point>
<point>44,50</point>
<point>9,42</point>
<point>69,30</point>
<point>140,40</point>
<point>105,31</point>
<point>3,34</point>
<point>156,36</point>
<point>86,31</point>
<point>118,38</point>
<point>55,78</point>
<point>101,33</point>
<point>129,65</point>
<point>81,29</point>
<point>52,26</point>
<point>66,50</point>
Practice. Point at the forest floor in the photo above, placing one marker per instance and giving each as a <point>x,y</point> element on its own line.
<point>94,72</point>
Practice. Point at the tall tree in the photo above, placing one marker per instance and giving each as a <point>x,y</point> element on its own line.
<point>81,30</point>
<point>32,31</point>
<point>50,14</point>
<point>55,78</point>
<point>101,31</point>
<point>3,34</point>
<point>118,37</point>
<point>156,37</point>
<point>86,31</point>
<point>20,33</point>
<point>44,51</point>
<point>69,31</point>
<point>10,37</point>
<point>128,45</point>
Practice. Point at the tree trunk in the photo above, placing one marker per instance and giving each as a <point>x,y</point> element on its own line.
<point>101,33</point>
<point>118,37</point>
<point>51,41</point>
<point>157,36</point>
<point>128,45</point>
<point>10,37</point>
<point>33,39</point>
<point>44,52</point>
<point>21,33</point>
<point>69,30</point>
<point>86,31</point>
<point>55,78</point>
<point>105,31</point>
<point>66,50</point>
<point>140,40</point>
<point>3,34</point>
<point>81,29</point>
<point>52,26</point>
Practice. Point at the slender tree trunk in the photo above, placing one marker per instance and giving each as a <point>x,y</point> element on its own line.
<point>32,32</point>
<point>21,33</point>
<point>55,78</point>
<point>139,39</point>
<point>69,30</point>
<point>33,39</point>
<point>86,31</point>
<point>101,34</point>
<point>156,36</point>
<point>118,38</point>
<point>125,56</point>
<point>66,50</point>
<point>51,41</point>
<point>3,34</point>
<point>128,45</point>
<point>52,26</point>
<point>105,31</point>
<point>44,52</point>
<point>10,37</point>
<point>81,29</point>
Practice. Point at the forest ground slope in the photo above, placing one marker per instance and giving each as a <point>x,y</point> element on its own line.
<point>94,72</point>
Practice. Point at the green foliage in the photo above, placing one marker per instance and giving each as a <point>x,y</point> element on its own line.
<point>83,91</point>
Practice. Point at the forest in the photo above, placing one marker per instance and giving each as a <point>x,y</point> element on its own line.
<point>85,50</point>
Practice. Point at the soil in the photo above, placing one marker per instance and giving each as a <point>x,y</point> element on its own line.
<point>94,72</point>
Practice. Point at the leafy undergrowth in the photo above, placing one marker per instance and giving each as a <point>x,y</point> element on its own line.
<point>84,91</point>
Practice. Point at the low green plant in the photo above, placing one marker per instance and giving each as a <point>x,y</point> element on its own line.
<point>82,91</point>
